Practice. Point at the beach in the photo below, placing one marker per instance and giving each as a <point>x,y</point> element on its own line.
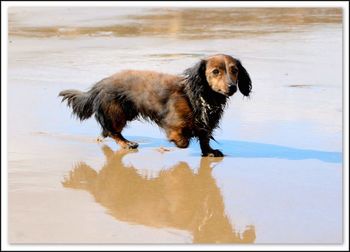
<point>280,181</point>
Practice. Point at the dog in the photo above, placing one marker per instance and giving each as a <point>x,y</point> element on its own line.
<point>186,106</point>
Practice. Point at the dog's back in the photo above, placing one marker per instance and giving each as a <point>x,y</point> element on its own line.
<point>145,89</point>
<point>142,91</point>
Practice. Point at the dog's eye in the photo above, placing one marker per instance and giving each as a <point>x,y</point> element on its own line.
<point>215,72</point>
<point>234,70</point>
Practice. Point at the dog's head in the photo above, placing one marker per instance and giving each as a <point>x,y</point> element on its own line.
<point>222,73</point>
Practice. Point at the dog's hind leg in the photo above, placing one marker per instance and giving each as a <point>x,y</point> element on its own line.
<point>113,119</point>
<point>124,143</point>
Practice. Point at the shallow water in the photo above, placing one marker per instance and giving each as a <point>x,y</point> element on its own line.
<point>281,178</point>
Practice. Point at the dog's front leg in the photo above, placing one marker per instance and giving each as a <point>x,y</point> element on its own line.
<point>206,149</point>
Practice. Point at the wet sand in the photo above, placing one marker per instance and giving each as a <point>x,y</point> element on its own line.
<point>280,181</point>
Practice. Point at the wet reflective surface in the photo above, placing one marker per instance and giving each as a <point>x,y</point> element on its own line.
<point>280,181</point>
<point>178,197</point>
<point>191,23</point>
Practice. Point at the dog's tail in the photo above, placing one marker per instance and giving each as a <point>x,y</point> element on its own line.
<point>80,102</point>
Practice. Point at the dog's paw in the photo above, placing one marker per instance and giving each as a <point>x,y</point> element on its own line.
<point>213,153</point>
<point>100,139</point>
<point>182,143</point>
<point>131,145</point>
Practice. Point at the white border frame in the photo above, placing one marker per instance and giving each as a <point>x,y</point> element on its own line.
<point>205,4</point>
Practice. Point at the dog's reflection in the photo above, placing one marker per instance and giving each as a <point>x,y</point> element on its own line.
<point>178,198</point>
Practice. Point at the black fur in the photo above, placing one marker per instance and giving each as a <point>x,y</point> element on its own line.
<point>196,86</point>
<point>244,81</point>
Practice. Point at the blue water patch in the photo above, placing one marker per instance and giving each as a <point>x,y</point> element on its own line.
<point>241,149</point>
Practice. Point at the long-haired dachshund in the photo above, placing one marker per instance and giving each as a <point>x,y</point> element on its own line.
<point>185,106</point>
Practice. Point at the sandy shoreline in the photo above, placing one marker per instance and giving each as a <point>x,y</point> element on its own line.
<point>281,181</point>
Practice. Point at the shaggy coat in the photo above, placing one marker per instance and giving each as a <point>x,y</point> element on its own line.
<point>185,106</point>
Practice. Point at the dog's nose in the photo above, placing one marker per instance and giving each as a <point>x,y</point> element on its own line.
<point>232,89</point>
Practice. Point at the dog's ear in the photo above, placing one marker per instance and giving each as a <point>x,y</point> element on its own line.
<point>244,82</point>
<point>196,74</point>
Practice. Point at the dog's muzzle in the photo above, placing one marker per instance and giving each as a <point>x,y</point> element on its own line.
<point>232,89</point>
